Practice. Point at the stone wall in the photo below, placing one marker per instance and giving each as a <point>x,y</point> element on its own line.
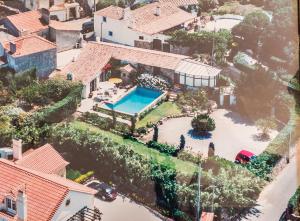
<point>180,50</point>
<point>143,44</point>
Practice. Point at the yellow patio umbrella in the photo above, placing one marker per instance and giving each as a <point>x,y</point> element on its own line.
<point>115,80</point>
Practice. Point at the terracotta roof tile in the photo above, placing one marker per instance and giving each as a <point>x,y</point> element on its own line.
<point>28,21</point>
<point>44,159</point>
<point>29,44</point>
<point>68,26</point>
<point>179,3</point>
<point>45,192</point>
<point>43,196</point>
<point>96,55</point>
<point>112,11</point>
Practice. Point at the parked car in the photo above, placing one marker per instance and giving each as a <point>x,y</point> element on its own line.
<point>105,191</point>
<point>244,157</point>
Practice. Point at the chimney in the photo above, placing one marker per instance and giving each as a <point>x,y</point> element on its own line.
<point>17,149</point>
<point>126,13</point>
<point>12,47</point>
<point>157,11</point>
<point>22,205</point>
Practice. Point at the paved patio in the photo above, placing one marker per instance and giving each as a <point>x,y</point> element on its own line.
<point>232,134</point>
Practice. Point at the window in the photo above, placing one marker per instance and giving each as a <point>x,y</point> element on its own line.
<point>104,19</point>
<point>110,33</point>
<point>141,37</point>
<point>9,157</point>
<point>11,205</point>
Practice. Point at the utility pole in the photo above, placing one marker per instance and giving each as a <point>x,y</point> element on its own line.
<point>198,216</point>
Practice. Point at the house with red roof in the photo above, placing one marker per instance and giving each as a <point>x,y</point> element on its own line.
<point>29,195</point>
<point>44,159</point>
<point>27,52</point>
<point>33,186</point>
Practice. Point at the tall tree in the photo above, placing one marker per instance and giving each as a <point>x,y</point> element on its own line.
<point>256,93</point>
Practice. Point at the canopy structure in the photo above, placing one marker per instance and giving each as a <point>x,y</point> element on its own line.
<point>115,80</point>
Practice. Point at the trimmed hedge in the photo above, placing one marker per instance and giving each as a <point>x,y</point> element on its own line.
<point>61,109</point>
<point>105,123</point>
<point>163,148</point>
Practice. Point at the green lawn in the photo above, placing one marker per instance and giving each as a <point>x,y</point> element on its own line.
<point>163,110</point>
<point>181,166</point>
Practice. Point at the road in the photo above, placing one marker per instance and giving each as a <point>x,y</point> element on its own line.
<point>124,209</point>
<point>274,198</point>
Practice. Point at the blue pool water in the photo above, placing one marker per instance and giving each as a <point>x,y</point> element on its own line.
<point>135,101</point>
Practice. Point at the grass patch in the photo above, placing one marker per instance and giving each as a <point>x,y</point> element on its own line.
<point>181,166</point>
<point>163,110</point>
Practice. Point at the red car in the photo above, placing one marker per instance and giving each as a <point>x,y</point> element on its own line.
<point>244,157</point>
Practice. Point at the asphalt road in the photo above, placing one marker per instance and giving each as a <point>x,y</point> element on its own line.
<point>124,209</point>
<point>274,198</point>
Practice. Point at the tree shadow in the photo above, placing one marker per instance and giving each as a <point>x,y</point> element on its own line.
<point>199,136</point>
<point>248,213</point>
<point>238,119</point>
<point>260,137</point>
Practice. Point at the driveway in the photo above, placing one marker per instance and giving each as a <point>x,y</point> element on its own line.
<point>124,209</point>
<point>232,134</point>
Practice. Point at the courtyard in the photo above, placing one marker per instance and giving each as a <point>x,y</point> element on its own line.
<point>232,134</point>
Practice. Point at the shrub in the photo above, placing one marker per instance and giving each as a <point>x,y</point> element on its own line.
<point>262,166</point>
<point>155,133</point>
<point>265,125</point>
<point>163,148</point>
<point>104,122</point>
<point>84,177</point>
<point>203,123</point>
<point>73,174</point>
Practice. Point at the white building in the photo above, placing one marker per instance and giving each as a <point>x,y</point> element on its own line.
<point>145,27</point>
<point>90,67</point>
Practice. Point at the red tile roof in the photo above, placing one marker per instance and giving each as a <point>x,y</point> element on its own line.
<point>95,56</point>
<point>45,192</point>
<point>67,26</point>
<point>145,20</point>
<point>181,2</point>
<point>112,11</point>
<point>43,196</point>
<point>28,45</point>
<point>44,159</point>
<point>29,22</point>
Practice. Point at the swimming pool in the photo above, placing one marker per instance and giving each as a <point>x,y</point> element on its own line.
<point>135,101</point>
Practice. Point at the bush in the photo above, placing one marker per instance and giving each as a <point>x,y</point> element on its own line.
<point>73,174</point>
<point>61,109</point>
<point>104,122</point>
<point>203,123</point>
<point>84,177</point>
<point>263,165</point>
<point>163,148</point>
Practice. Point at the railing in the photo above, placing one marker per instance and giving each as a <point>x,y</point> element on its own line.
<point>86,214</point>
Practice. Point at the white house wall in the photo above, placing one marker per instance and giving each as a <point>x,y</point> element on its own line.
<point>121,33</point>
<point>78,201</point>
